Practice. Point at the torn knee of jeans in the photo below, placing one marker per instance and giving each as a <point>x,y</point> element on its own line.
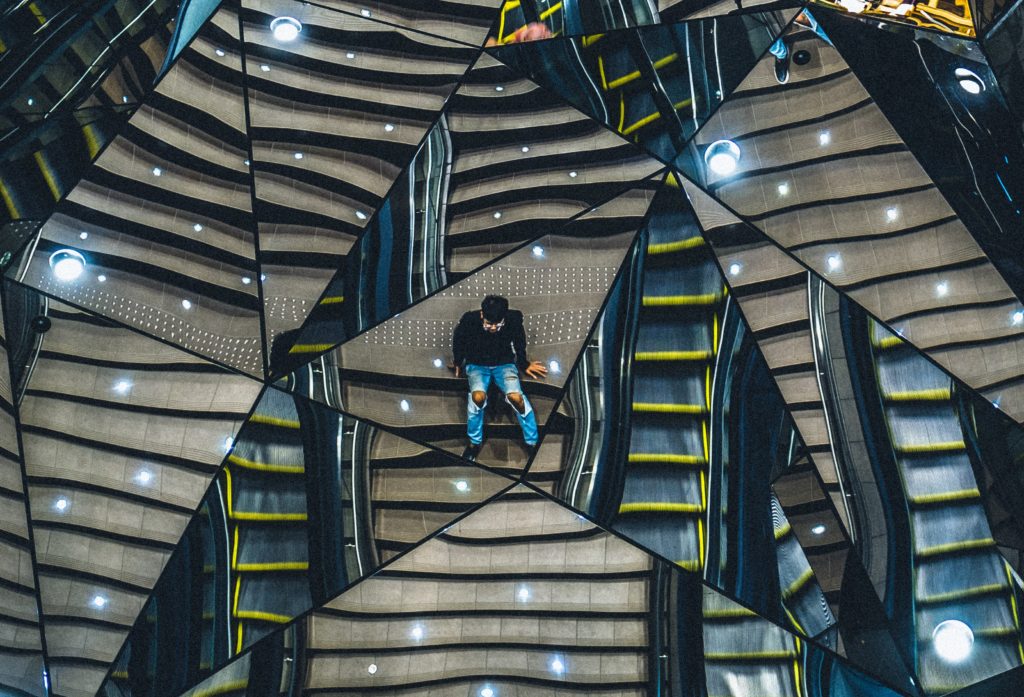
<point>477,400</point>
<point>517,402</point>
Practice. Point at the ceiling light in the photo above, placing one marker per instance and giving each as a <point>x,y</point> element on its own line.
<point>124,98</point>
<point>722,157</point>
<point>298,156</point>
<point>122,387</point>
<point>265,68</point>
<point>417,632</point>
<point>735,268</point>
<point>825,137</point>
<point>220,52</point>
<point>246,280</point>
<point>970,82</point>
<point>67,264</point>
<point>404,405</point>
<point>486,692</point>
<point>1017,317</point>
<point>101,278</point>
<point>554,367</point>
<point>83,235</point>
<point>438,363</point>
<point>526,148</point>
<point>462,485</point>
<point>286,28</point>
<point>372,668</point>
<point>953,640</point>
<point>942,288</point>
<point>538,251</point>
<point>361,215</point>
<point>364,12</point>
<point>499,88</point>
<point>834,262</point>
<point>157,171</point>
<point>61,504</point>
<point>246,163</point>
<point>573,174</point>
<point>144,477</point>
<point>557,666</point>
<point>228,442</point>
<point>197,227</point>
<point>350,55</point>
<point>99,601</point>
<point>497,215</point>
<point>891,213</point>
<point>31,101</point>
<point>855,6</point>
<point>187,304</point>
<point>388,127</point>
<point>783,189</point>
<point>524,594</point>
<point>818,529</point>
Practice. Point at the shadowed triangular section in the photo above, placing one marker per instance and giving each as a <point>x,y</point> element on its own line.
<point>506,161</point>
<point>163,218</point>
<point>679,10</point>
<point>862,213</point>
<point>395,374</point>
<point>637,82</point>
<point>121,435</point>
<point>22,654</point>
<point>462,20</point>
<point>308,502</point>
<point>897,442</point>
<point>335,119</point>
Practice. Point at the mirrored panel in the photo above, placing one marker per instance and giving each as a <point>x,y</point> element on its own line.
<point>837,188</point>
<point>506,162</point>
<point>458,20</point>
<point>654,85</point>
<point>308,501</point>
<point>337,107</point>
<point>478,368</point>
<point>947,16</point>
<point>159,233</point>
<point>121,436</point>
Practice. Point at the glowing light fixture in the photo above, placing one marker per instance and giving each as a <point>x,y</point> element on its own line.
<point>157,171</point>
<point>372,668</point>
<point>891,213</point>
<point>197,227</point>
<point>554,367</point>
<point>557,666</point>
<point>1017,317</point>
<point>417,632</point>
<point>818,529</point>
<point>953,640</point>
<point>61,504</point>
<point>538,251</point>
<point>187,304</point>
<point>462,485</point>
<point>486,692</point>
<point>825,137</point>
<point>220,52</point>
<point>942,289</point>
<point>969,81</point>
<point>573,174</point>
<point>438,363</point>
<point>388,127</point>
<point>99,601</point>
<point>404,405</point>
<point>67,264</point>
<point>783,189</point>
<point>122,386</point>
<point>265,68</point>
<point>298,156</point>
<point>83,235</point>
<point>523,594</point>
<point>722,157</point>
<point>286,28</point>
<point>144,477</point>
<point>735,268</point>
<point>834,262</point>
<point>497,215</point>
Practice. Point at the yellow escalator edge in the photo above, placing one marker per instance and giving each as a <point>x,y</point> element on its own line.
<point>637,125</point>
<point>660,408</point>
<point>987,589</point>
<point>310,348</point>
<point>223,688</point>
<point>332,300</point>
<point>796,667</point>
<point>714,334</point>
<point>1013,610</point>
<point>550,11</point>
<point>783,531</point>
<point>750,656</point>
<point>946,497</point>
<point>264,467</point>
<point>980,543</point>
<point>935,395</point>
<point>702,299</point>
<point>267,420</point>
<point>671,355</point>
<point>948,446</point>
<point>265,617</point>
<point>660,507</point>
<point>258,567</point>
<point>48,175</point>
<point>668,458</point>
<point>797,585</point>
<point>677,246</point>
<point>268,517</point>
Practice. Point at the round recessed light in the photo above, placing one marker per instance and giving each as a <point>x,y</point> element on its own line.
<point>735,268</point>
<point>388,127</point>
<point>499,88</point>
<point>1017,317</point>
<point>554,367</point>
<point>187,304</point>
<point>486,692</point>
<point>285,28</point>
<point>157,171</point>
<point>818,529</point>
<point>438,363</point>
<point>573,174</point>
<point>462,485</point>
<point>404,405</point>
<point>99,601</point>
<point>953,640</point>
<point>557,666</point>
<point>61,504</point>
<point>722,157</point>
<point>31,101</point>
<point>350,55</point>
<point>246,280</point>
<point>497,215</point>
<point>783,188</point>
<point>824,138</point>
<point>969,81</point>
<point>942,288</point>
<point>219,52</point>
<point>122,386</point>
<point>298,156</point>
<point>537,251</point>
<point>365,12</point>
<point>891,213</point>
<point>83,235</point>
<point>802,57</point>
<point>523,594</point>
<point>67,264</point>
<point>372,668</point>
<point>417,632</point>
<point>526,148</point>
<point>265,68</point>
<point>144,477</point>
<point>361,215</point>
<point>101,278</point>
<point>197,227</point>
<point>833,261</point>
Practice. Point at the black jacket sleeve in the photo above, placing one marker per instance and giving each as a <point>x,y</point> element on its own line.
<point>459,341</point>
<point>518,338</point>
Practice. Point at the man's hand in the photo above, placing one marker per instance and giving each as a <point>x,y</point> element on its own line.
<point>534,31</point>
<point>536,370</point>
<point>457,369</point>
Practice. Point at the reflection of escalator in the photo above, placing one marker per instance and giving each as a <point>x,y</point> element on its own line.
<point>265,488</point>
<point>746,655</point>
<point>664,494</point>
<point>957,572</point>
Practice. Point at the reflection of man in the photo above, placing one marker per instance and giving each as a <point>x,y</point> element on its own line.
<point>491,343</point>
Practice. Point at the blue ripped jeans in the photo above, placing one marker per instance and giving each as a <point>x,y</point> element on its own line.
<point>507,378</point>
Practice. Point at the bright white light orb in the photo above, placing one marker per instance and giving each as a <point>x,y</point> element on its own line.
<point>101,278</point>
<point>404,405</point>
<point>554,366</point>
<point>286,28</point>
<point>526,148</point>
<point>735,268</point>
<point>246,280</point>
<point>197,227</point>
<point>818,529</point>
<point>497,215</point>
<point>462,485</point>
<point>1018,317</point>
<point>372,668</point>
<point>834,262</point>
<point>122,386</point>
<point>538,251</point>
<point>144,477</point>
<point>187,304</point>
<point>824,138</point>
<point>891,213</point>
<point>61,504</point>
<point>298,156</point>
<point>388,127</point>
<point>220,52</point>
<point>524,594</point>
<point>157,171</point>
<point>722,157</point>
<point>557,666</point>
<point>942,289</point>
<point>783,189</point>
<point>487,692</point>
<point>99,601</point>
<point>969,81</point>
<point>438,363</point>
<point>573,174</point>
<point>67,264</point>
<point>83,235</point>
<point>417,632</point>
<point>953,640</point>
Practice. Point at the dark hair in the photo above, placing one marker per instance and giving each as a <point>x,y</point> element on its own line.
<point>495,308</point>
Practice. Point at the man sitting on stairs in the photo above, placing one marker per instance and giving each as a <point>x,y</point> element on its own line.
<point>490,345</point>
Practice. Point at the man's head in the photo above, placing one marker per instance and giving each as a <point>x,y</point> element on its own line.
<point>493,310</point>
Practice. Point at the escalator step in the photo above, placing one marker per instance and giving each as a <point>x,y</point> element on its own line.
<point>952,596</point>
<point>942,447</point>
<point>653,407</point>
<point>704,355</point>
<point>961,546</point>
<point>667,458</point>
<point>945,497</point>
<point>265,467</point>
<point>677,246</point>
<point>940,394</point>
<point>701,300</point>
<point>661,507</point>
<point>268,420</point>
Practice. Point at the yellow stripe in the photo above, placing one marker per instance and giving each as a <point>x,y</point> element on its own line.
<point>956,547</point>
<point>958,595</point>
<point>263,617</point>
<point>798,583</point>
<point>946,497</point>
<point>667,458</point>
<point>591,39</point>
<point>948,446</point>
<point>274,566</point>
<point>728,613</point>
<point>263,467</point>
<point>91,140</point>
<point>783,531</point>
<point>267,420</point>
<point>671,355</point>
<point>654,407</point>
<point>662,62</point>
<point>332,300</point>
<point>310,348</point>
<point>677,246</point>
<point>637,125</point>
<point>234,547</point>
<point>750,656</point>
<point>550,11</point>
<point>689,564</point>
<point>9,201</point>
<point>620,81</point>
<point>662,300</point>
<point>888,342</point>
<point>48,175</point>
<point>267,517</point>
<point>935,395</point>
<point>660,507</point>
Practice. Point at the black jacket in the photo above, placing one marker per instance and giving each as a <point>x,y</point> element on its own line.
<point>472,344</point>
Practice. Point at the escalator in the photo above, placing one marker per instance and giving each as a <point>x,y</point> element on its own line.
<point>665,489</point>
<point>957,571</point>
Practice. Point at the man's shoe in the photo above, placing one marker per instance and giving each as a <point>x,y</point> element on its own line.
<point>782,69</point>
<point>471,451</point>
<point>531,449</point>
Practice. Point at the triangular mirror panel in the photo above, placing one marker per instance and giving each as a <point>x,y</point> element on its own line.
<point>159,233</point>
<point>308,501</point>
